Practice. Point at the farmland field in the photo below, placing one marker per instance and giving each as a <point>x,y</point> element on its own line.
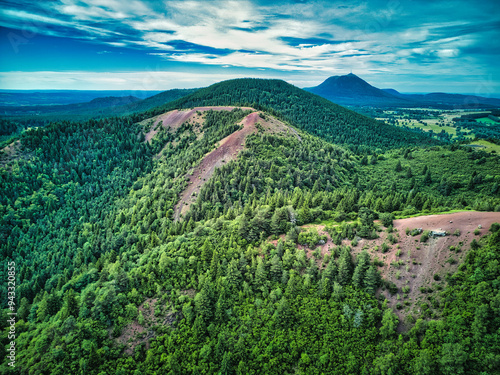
<point>487,146</point>
<point>447,125</point>
<point>487,120</point>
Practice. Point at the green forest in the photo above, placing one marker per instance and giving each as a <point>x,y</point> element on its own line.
<point>109,283</point>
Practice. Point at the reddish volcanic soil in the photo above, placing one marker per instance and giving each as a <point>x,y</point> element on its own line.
<point>418,262</point>
<point>174,119</point>
<point>424,260</point>
<point>227,150</point>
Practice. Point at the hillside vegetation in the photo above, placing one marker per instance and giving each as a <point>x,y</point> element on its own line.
<point>103,107</point>
<point>110,283</point>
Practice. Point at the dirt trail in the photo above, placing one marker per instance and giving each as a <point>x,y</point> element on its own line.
<point>227,150</point>
<point>174,119</point>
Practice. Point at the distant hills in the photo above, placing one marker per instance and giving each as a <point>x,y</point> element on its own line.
<point>303,109</point>
<point>352,90</point>
<point>15,98</point>
<point>154,101</point>
<point>95,108</point>
<point>75,108</point>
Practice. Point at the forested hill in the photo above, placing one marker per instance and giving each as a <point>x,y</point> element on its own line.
<point>305,110</point>
<point>108,282</point>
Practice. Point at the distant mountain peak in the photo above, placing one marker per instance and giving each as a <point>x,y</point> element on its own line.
<point>349,87</point>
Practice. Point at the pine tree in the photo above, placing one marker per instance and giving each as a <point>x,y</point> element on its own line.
<point>293,285</point>
<point>371,280</point>
<point>204,302</point>
<point>70,305</point>
<point>280,248</point>
<point>260,274</point>
<point>283,313</point>
<point>345,267</point>
<point>331,270</point>
<point>292,234</point>
<point>276,268</point>
<point>409,174</point>
<point>214,265</point>
<point>244,226</point>
<point>362,261</point>
<point>312,270</point>
<point>427,177</point>
<point>389,324</point>
<point>304,214</point>
<point>42,310</point>
<point>233,274</point>
<point>398,168</point>
<point>206,252</point>
<point>155,241</point>
<point>325,286</point>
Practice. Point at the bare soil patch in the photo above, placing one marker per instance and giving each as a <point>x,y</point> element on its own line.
<point>227,150</point>
<point>134,334</point>
<point>412,264</point>
<point>422,260</point>
<point>174,119</point>
<point>10,153</point>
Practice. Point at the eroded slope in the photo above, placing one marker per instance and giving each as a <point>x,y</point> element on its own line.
<point>226,150</point>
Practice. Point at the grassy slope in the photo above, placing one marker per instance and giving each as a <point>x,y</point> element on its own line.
<point>488,146</point>
<point>486,120</point>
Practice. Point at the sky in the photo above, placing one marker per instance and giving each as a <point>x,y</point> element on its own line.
<point>411,46</point>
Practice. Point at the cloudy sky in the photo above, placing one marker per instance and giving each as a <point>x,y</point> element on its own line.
<point>412,46</point>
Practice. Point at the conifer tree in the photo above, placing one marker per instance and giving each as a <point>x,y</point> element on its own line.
<point>276,268</point>
<point>371,280</point>
<point>427,177</point>
<point>362,263</point>
<point>345,267</point>
<point>206,252</point>
<point>398,168</point>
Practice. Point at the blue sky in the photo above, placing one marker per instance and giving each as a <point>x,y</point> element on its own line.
<point>412,46</point>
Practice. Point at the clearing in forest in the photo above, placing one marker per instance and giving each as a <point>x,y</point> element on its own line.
<point>412,264</point>
<point>227,150</point>
<point>174,119</point>
<point>10,153</point>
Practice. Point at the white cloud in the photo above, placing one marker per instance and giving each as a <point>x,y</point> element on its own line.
<point>83,80</point>
<point>447,53</point>
<point>380,37</point>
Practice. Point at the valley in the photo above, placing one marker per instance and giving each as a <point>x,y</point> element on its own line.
<point>473,127</point>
